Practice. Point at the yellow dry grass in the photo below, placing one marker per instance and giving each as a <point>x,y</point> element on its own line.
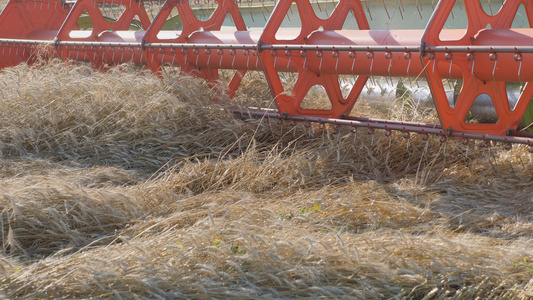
<point>121,185</point>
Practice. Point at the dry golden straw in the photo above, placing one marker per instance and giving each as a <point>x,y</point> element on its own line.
<point>121,185</point>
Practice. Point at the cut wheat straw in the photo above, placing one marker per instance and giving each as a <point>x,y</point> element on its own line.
<point>122,185</point>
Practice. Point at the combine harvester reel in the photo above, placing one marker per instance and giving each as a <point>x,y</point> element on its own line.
<point>488,59</point>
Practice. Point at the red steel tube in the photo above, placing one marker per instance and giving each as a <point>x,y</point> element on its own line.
<point>379,63</point>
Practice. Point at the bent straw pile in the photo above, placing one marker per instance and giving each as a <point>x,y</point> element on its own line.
<point>120,185</point>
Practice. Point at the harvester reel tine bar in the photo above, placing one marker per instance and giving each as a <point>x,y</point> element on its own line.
<point>406,128</point>
<point>484,72</point>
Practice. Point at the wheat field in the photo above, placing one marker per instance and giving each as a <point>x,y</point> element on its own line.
<point>121,185</point>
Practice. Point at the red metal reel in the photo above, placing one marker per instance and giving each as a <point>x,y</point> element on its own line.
<point>32,19</point>
<point>99,23</point>
<point>492,83</point>
<point>187,59</point>
<point>102,31</point>
<point>29,19</point>
<point>290,103</point>
<point>151,36</point>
